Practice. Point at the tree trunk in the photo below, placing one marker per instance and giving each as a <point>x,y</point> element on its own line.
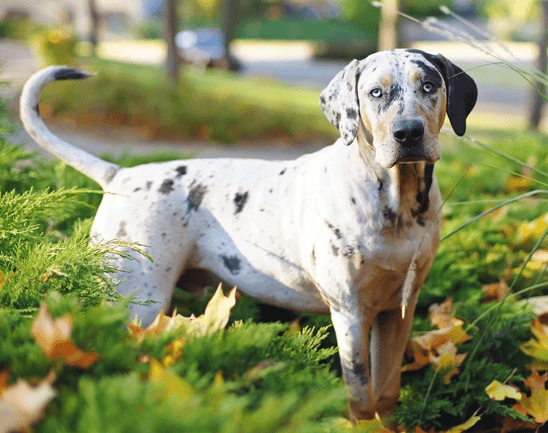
<point>94,28</point>
<point>230,19</point>
<point>170,29</point>
<point>536,100</point>
<point>388,26</point>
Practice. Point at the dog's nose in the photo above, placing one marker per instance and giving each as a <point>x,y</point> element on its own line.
<point>408,132</point>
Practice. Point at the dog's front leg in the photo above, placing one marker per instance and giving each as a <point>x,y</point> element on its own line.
<point>352,330</point>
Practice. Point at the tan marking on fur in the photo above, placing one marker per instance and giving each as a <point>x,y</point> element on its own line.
<point>386,80</point>
<point>414,75</point>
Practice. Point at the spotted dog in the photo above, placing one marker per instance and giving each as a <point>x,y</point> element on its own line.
<point>350,230</point>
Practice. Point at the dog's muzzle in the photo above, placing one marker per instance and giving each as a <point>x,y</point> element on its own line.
<point>409,135</point>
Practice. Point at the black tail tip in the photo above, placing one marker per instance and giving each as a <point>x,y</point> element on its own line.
<point>71,74</point>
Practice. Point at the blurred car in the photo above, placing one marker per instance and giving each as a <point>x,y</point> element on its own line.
<point>204,48</point>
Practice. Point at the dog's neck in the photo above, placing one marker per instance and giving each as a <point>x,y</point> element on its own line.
<point>403,189</point>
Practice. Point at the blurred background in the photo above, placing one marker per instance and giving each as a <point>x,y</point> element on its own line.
<point>193,74</point>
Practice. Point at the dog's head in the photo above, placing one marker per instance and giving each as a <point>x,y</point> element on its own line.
<point>400,99</point>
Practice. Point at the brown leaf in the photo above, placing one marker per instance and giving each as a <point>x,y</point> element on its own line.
<point>495,291</point>
<point>440,315</point>
<point>536,405</point>
<point>431,347</point>
<point>22,405</point>
<point>53,337</point>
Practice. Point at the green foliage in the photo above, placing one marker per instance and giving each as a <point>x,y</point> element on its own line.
<point>55,46</point>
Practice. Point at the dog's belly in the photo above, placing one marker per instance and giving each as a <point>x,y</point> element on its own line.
<point>256,271</point>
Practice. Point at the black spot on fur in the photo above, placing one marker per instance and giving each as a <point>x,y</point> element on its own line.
<point>313,257</point>
<point>37,109</point>
<point>429,73</point>
<point>166,187</point>
<point>322,100</point>
<point>122,230</point>
<point>351,113</point>
<point>232,263</point>
<point>334,250</point>
<point>148,185</point>
<point>353,200</point>
<point>240,201</point>
<point>195,197</point>
<point>137,189</point>
<point>181,170</point>
<point>359,370</point>
<point>70,74</point>
<point>388,214</point>
<point>282,172</point>
<point>335,230</point>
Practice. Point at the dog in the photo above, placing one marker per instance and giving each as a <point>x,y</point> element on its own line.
<point>350,230</point>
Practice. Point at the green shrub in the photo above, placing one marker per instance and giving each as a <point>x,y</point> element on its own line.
<point>55,46</point>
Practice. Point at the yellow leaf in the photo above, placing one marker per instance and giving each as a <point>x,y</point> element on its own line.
<point>217,312</point>
<point>465,426</point>
<point>518,183</point>
<point>531,231</point>
<point>53,337</point>
<point>498,391</point>
<point>536,405</point>
<point>170,384</point>
<point>22,405</point>
<point>537,348</point>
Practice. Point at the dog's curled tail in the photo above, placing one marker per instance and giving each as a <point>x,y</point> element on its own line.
<point>100,171</point>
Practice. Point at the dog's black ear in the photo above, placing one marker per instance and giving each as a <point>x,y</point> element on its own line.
<point>339,102</point>
<point>462,93</point>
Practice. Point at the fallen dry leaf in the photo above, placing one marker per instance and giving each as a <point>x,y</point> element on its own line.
<point>169,384</point>
<point>464,426</point>
<point>430,346</point>
<point>537,348</point>
<point>22,405</point>
<point>53,337</point>
<point>495,291</point>
<point>445,358</point>
<point>536,405</point>
<point>440,315</point>
<point>498,391</point>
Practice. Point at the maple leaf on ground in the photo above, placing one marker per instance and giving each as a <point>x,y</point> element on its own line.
<point>53,337</point>
<point>536,405</point>
<point>429,347</point>
<point>537,348</point>
<point>22,405</point>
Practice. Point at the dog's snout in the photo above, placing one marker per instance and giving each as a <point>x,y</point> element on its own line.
<point>408,132</point>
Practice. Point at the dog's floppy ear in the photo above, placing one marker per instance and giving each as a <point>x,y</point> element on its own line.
<point>462,93</point>
<point>339,102</point>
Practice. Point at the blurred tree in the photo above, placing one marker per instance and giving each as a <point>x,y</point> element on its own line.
<point>388,25</point>
<point>230,18</point>
<point>536,100</point>
<point>94,26</point>
<point>171,26</point>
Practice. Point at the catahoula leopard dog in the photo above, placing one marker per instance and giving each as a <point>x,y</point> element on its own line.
<point>350,230</point>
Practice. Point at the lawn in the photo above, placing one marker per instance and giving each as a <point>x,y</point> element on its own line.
<point>270,370</point>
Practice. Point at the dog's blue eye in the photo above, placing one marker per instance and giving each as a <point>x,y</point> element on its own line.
<point>376,93</point>
<point>427,87</point>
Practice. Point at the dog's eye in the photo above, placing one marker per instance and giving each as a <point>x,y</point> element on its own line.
<point>376,93</point>
<point>428,87</point>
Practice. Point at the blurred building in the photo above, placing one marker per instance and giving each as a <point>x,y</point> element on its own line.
<point>116,15</point>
